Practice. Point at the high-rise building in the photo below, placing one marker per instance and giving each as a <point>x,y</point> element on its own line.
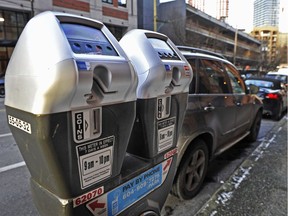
<point>266,13</point>
<point>266,29</point>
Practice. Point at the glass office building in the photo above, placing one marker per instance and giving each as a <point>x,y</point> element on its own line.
<point>266,13</point>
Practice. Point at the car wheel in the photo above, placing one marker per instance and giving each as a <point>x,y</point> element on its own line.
<point>191,171</point>
<point>254,131</point>
<point>277,116</point>
<point>2,91</point>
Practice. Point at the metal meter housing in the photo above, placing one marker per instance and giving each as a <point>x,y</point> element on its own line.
<point>164,77</point>
<point>71,105</point>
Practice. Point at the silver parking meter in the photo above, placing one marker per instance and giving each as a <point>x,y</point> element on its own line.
<point>70,101</point>
<point>149,166</point>
<point>164,76</point>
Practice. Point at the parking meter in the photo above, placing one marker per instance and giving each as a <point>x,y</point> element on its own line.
<point>95,140</point>
<point>164,76</point>
<point>162,93</point>
<point>71,104</point>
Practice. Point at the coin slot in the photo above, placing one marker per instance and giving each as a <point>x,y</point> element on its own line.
<point>96,121</point>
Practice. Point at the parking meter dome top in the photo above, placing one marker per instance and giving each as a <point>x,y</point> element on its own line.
<point>45,76</point>
<point>158,63</point>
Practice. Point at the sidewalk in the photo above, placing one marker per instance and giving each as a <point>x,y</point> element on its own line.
<point>259,186</point>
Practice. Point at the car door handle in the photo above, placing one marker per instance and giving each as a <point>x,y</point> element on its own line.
<point>209,108</point>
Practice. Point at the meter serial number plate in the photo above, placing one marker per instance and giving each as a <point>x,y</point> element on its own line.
<point>20,124</point>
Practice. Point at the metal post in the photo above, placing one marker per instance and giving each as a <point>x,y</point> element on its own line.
<point>32,8</point>
<point>287,48</point>
<point>155,15</point>
<point>235,46</point>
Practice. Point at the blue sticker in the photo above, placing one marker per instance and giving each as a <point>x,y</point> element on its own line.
<point>81,65</point>
<point>126,194</point>
<point>168,67</point>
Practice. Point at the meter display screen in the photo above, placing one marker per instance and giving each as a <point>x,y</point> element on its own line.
<point>87,40</point>
<point>163,49</point>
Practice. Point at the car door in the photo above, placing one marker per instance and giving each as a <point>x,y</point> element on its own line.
<point>243,102</point>
<point>216,100</point>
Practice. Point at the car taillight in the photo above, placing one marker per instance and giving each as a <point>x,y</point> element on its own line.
<point>272,96</point>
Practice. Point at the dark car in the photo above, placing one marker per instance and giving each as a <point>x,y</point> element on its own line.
<point>2,88</point>
<point>220,113</point>
<point>273,93</point>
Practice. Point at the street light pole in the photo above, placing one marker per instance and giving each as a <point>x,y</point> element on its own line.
<point>235,46</point>
<point>287,48</point>
<point>155,15</point>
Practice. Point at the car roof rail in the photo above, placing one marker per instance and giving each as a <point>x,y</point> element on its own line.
<point>198,50</point>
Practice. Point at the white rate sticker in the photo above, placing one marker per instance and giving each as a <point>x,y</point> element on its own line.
<point>166,130</point>
<point>95,160</point>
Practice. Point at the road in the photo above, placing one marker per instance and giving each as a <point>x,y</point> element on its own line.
<point>15,196</point>
<point>230,171</point>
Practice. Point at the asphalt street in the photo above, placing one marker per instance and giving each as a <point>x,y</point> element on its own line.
<point>258,187</point>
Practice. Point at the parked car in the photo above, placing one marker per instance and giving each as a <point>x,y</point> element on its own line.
<point>2,88</point>
<point>280,75</point>
<point>221,112</point>
<point>273,92</point>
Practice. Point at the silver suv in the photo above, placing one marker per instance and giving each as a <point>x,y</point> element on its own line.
<point>221,111</point>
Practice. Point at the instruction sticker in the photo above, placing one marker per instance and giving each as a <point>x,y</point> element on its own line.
<point>163,107</point>
<point>166,133</point>
<point>87,124</point>
<point>95,161</point>
<point>122,197</point>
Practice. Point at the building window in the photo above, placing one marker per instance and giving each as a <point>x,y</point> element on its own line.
<point>122,3</point>
<point>12,24</point>
<point>108,1</point>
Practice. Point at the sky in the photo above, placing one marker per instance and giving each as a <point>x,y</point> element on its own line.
<point>241,14</point>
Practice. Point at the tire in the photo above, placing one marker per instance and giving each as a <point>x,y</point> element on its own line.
<point>191,171</point>
<point>255,128</point>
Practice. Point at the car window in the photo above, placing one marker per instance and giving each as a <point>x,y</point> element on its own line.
<point>212,78</point>
<point>238,86</point>
<point>279,77</point>
<point>260,83</point>
<point>192,87</point>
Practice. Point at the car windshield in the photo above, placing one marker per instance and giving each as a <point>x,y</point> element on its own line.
<point>278,77</point>
<point>260,83</point>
